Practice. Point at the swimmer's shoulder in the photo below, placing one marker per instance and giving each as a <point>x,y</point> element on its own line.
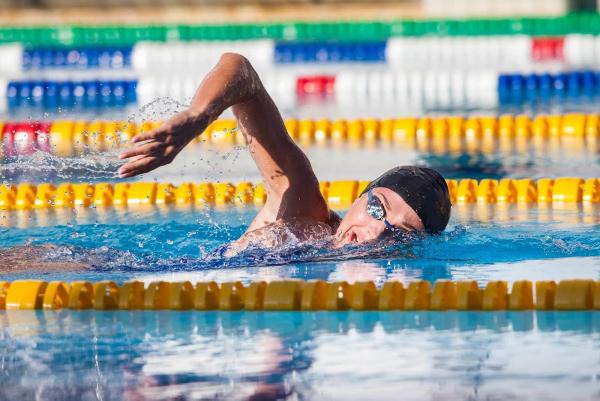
<point>285,232</point>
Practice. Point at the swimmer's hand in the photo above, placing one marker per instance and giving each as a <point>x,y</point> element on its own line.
<point>231,82</point>
<point>160,146</point>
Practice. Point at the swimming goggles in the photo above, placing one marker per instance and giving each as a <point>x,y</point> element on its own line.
<point>376,210</point>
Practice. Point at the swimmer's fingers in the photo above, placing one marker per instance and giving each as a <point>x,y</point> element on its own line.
<point>183,124</point>
<point>140,166</point>
<point>178,124</point>
<point>155,135</point>
<point>146,149</point>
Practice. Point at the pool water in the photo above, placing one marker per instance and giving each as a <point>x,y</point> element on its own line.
<point>326,356</point>
<point>69,355</point>
<point>148,242</point>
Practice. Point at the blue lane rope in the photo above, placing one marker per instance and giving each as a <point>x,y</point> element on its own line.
<point>67,94</point>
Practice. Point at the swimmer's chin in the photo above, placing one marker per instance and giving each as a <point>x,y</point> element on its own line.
<point>339,243</point>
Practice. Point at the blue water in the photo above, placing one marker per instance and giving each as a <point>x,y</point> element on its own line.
<point>120,244</point>
<point>69,355</point>
<point>300,356</point>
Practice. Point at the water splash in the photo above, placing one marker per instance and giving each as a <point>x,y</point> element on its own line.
<point>92,165</point>
<point>159,109</point>
<point>44,167</point>
<point>290,251</point>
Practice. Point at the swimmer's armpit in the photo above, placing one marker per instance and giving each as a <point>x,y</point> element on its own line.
<point>31,258</point>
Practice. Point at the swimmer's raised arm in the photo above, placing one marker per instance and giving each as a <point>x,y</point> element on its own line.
<point>291,185</point>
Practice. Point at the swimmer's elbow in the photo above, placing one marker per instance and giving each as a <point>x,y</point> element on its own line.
<point>247,76</point>
<point>232,57</point>
<point>246,79</point>
<point>237,62</point>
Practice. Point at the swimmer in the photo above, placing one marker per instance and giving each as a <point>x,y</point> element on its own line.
<point>406,199</point>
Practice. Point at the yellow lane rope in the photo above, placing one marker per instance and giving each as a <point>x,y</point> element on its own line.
<point>290,295</point>
<point>506,133</point>
<point>339,194</point>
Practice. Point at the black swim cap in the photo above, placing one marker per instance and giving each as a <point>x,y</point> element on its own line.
<point>423,189</point>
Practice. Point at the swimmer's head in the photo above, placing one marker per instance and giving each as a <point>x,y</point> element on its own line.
<point>404,199</point>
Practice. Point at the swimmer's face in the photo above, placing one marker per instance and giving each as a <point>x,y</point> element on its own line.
<point>358,227</point>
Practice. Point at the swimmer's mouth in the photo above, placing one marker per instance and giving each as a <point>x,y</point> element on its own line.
<point>385,239</point>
